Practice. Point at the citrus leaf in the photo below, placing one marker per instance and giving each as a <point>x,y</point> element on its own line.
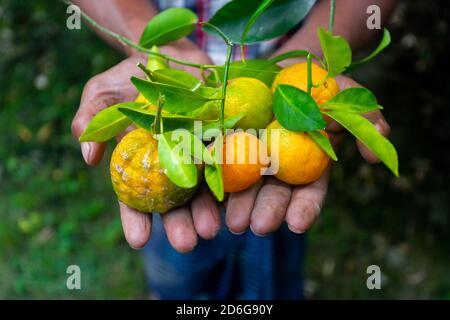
<point>296,110</point>
<point>324,143</point>
<point>385,41</point>
<point>366,132</point>
<point>214,179</point>
<point>336,51</point>
<point>154,62</point>
<point>109,122</point>
<point>144,119</point>
<point>359,100</point>
<point>289,55</point>
<point>177,99</point>
<point>228,123</point>
<point>209,92</point>
<point>213,174</point>
<point>275,20</point>
<point>141,119</point>
<point>260,69</point>
<point>199,150</point>
<point>176,78</point>
<point>255,16</point>
<point>169,25</point>
<point>179,168</point>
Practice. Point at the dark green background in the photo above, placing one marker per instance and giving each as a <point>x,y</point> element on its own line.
<point>55,211</point>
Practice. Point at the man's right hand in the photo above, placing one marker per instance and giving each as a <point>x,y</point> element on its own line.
<point>183,225</point>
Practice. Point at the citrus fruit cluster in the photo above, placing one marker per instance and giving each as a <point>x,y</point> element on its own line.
<point>141,183</point>
<point>281,113</point>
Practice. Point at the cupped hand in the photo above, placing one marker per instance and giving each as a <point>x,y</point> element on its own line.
<point>269,203</point>
<point>183,225</point>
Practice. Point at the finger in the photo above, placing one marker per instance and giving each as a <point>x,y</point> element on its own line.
<point>180,229</point>
<point>205,214</point>
<point>136,226</point>
<point>336,139</point>
<point>92,152</point>
<point>270,206</point>
<point>382,126</point>
<point>94,99</point>
<point>239,208</point>
<point>306,203</point>
<point>345,82</point>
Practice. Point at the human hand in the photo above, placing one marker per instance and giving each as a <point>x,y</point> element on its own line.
<point>182,225</point>
<point>267,204</point>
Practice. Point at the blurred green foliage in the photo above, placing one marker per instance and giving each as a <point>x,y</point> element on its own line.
<point>55,211</point>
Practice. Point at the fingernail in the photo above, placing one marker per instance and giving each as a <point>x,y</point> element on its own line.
<point>295,230</point>
<point>86,150</point>
<point>237,233</point>
<point>256,233</point>
<point>378,127</point>
<point>317,209</point>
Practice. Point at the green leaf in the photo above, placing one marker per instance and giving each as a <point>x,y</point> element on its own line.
<point>177,99</point>
<point>336,51</point>
<point>275,20</point>
<point>359,100</point>
<point>228,123</point>
<point>366,132</point>
<point>214,179</point>
<point>199,150</point>
<point>296,110</point>
<point>324,143</point>
<point>154,62</point>
<point>209,92</point>
<point>255,16</point>
<point>213,174</point>
<point>176,162</point>
<point>169,25</point>
<point>109,122</point>
<point>176,78</point>
<point>289,55</point>
<point>263,70</point>
<point>144,119</point>
<point>385,41</point>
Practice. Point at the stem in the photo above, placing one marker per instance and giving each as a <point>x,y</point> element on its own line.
<point>219,32</point>
<point>130,43</point>
<point>309,83</point>
<point>147,72</point>
<point>243,54</point>
<point>157,121</point>
<point>224,85</point>
<point>332,11</point>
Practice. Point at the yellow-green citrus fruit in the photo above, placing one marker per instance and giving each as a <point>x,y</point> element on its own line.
<point>297,75</point>
<point>209,111</point>
<point>251,96</point>
<point>138,179</point>
<point>300,159</point>
<point>241,163</point>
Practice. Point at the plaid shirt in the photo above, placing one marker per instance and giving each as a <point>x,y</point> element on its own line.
<point>214,46</point>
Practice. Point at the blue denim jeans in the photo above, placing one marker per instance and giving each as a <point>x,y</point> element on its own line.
<point>228,267</point>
